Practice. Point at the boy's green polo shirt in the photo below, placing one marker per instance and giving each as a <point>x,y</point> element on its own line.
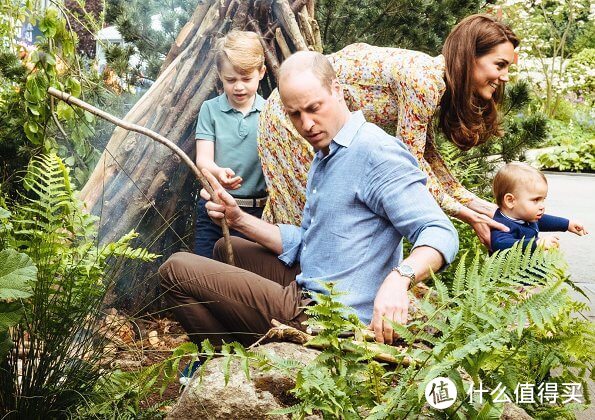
<point>234,135</point>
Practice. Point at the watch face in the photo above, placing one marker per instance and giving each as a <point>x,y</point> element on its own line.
<point>406,270</point>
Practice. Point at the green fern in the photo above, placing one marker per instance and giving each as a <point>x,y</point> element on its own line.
<point>504,319</point>
<point>58,332</point>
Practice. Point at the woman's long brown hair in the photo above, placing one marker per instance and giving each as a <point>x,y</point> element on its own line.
<point>466,119</point>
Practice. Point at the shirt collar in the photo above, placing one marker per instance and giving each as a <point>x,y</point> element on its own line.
<point>346,134</point>
<point>224,105</point>
<point>519,221</point>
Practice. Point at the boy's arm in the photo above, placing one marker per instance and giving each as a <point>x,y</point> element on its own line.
<point>577,228</point>
<point>205,158</point>
<point>549,223</point>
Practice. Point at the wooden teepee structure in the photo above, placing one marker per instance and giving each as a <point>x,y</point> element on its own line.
<point>139,184</point>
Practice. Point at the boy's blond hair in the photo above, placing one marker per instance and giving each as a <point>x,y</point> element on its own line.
<point>510,176</point>
<point>242,49</point>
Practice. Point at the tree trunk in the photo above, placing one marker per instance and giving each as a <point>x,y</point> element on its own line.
<point>140,184</point>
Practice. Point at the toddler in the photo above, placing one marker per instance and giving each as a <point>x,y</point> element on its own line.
<point>520,191</point>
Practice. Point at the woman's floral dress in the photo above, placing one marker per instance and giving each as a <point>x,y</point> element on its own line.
<point>397,89</point>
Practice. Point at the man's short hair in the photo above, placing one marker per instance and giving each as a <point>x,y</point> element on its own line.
<point>511,176</point>
<point>313,61</point>
<point>242,49</point>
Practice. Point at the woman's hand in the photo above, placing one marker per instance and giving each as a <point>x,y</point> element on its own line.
<point>481,224</point>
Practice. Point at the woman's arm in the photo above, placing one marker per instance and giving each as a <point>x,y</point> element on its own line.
<point>452,185</point>
<point>419,88</point>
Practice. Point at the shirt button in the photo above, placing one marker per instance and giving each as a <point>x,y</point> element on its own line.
<point>314,191</point>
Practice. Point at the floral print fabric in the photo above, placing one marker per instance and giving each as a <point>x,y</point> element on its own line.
<point>396,89</point>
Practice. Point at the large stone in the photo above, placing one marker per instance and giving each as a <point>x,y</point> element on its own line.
<point>208,397</point>
<point>252,399</point>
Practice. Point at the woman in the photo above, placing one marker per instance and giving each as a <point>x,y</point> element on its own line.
<point>401,90</point>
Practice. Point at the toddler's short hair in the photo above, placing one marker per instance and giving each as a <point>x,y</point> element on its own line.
<point>510,176</point>
<point>242,49</point>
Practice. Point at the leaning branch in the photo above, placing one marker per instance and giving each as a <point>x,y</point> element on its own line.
<point>66,97</point>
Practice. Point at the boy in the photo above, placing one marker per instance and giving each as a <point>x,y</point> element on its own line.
<point>520,191</point>
<point>226,133</point>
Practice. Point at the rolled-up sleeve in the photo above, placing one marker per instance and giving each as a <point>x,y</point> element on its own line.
<point>291,238</point>
<point>396,190</point>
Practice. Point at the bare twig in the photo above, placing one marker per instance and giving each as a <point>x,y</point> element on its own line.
<point>66,97</point>
<point>282,332</point>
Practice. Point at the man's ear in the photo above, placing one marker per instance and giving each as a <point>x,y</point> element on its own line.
<point>262,72</point>
<point>336,89</point>
<point>508,201</point>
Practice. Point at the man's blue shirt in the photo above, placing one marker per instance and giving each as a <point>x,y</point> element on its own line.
<point>361,200</point>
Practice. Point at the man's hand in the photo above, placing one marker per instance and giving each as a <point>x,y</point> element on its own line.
<point>227,178</point>
<point>548,242</point>
<point>391,304</point>
<point>228,208</point>
<point>577,228</point>
<point>481,224</point>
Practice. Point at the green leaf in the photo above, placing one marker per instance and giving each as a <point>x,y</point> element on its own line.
<point>64,111</point>
<point>4,214</point>
<point>10,314</point>
<point>17,271</point>
<point>73,86</point>
<point>31,126</point>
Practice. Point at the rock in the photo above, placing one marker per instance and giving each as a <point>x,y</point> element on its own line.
<point>514,412</point>
<point>241,398</point>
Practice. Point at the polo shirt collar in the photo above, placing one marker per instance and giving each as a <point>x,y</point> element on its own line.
<point>224,105</point>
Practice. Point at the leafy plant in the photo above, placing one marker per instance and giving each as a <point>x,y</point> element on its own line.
<point>507,319</point>
<point>55,361</point>
<point>582,68</point>
<point>17,273</point>
<point>547,29</point>
<point>574,158</point>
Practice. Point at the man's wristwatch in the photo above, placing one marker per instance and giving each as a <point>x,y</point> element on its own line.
<point>406,271</point>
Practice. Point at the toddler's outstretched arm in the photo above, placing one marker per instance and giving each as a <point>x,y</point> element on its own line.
<point>577,228</point>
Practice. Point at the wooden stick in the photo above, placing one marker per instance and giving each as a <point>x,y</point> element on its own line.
<point>269,52</point>
<point>285,51</point>
<point>68,98</point>
<point>282,332</point>
<point>306,29</point>
<point>289,23</point>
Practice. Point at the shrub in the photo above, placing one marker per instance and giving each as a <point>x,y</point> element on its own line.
<point>53,364</point>
<point>574,158</point>
<point>507,319</point>
<point>581,68</point>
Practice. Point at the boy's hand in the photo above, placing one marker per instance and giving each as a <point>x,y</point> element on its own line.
<point>577,228</point>
<point>227,179</point>
<point>228,208</point>
<point>547,242</point>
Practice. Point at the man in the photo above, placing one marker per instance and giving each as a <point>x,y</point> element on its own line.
<point>364,194</point>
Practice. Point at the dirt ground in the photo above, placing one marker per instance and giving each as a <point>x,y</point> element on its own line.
<point>138,343</point>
